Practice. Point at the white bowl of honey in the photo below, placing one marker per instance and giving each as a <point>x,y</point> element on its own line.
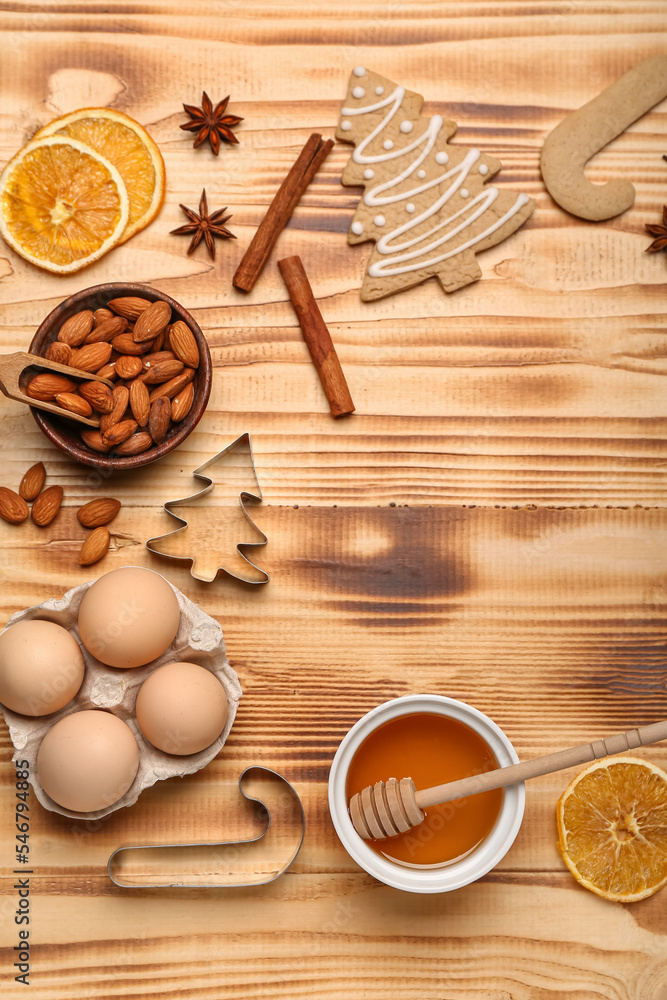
<point>431,739</point>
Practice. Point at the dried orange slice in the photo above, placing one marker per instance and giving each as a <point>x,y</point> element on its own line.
<point>612,828</point>
<point>126,144</point>
<point>62,205</point>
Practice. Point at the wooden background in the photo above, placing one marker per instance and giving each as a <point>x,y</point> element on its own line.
<point>490,524</point>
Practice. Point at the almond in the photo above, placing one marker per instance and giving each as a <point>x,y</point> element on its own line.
<point>45,386</point>
<point>94,441</point>
<point>109,370</point>
<point>128,366</point>
<point>47,505</point>
<point>74,403</point>
<point>125,344</point>
<point>152,321</point>
<point>107,330</point>
<point>159,419</point>
<point>139,403</point>
<point>152,359</point>
<point>141,441</point>
<point>13,508</point>
<point>183,344</point>
<point>121,397</point>
<point>98,511</point>
<point>130,306</point>
<point>33,482</point>
<point>182,403</point>
<point>163,371</point>
<point>75,330</point>
<point>92,357</point>
<point>174,385</point>
<point>119,432</point>
<point>158,341</point>
<point>100,315</point>
<point>58,352</point>
<point>95,546</point>
<point>98,395</point>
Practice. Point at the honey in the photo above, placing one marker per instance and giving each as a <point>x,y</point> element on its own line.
<point>431,749</point>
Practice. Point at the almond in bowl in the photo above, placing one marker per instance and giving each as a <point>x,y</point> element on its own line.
<point>153,352</point>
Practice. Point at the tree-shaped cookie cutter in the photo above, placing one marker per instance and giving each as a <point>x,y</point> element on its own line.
<point>233,853</point>
<point>200,473</point>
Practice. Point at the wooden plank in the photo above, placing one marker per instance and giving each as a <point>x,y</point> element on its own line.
<point>490,524</point>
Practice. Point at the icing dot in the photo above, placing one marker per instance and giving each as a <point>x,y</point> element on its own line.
<point>379,220</point>
<point>441,158</point>
<point>359,71</point>
<point>421,174</point>
<point>358,92</point>
<point>410,207</point>
<point>346,126</point>
<point>406,126</point>
<point>464,192</point>
<point>357,228</point>
<point>388,144</point>
<point>379,90</point>
<point>483,169</point>
<point>368,173</point>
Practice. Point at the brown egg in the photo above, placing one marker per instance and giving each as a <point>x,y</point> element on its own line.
<point>88,760</point>
<point>41,667</point>
<point>181,708</point>
<point>129,617</point>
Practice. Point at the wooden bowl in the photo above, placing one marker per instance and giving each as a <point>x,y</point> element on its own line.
<point>65,434</point>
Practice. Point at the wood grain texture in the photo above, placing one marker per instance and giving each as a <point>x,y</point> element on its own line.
<point>490,524</point>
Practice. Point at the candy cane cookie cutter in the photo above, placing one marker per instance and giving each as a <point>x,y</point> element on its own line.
<point>231,851</point>
<point>585,132</point>
<point>244,495</point>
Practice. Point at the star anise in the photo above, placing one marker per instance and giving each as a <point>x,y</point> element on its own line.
<point>660,233</point>
<point>211,122</point>
<point>204,226</point>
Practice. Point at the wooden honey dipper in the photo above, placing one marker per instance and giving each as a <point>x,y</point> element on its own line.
<point>392,807</point>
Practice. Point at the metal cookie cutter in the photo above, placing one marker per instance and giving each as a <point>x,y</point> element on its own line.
<point>164,545</point>
<point>256,861</point>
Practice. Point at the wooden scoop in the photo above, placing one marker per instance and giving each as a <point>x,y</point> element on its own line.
<point>389,808</point>
<point>14,376</point>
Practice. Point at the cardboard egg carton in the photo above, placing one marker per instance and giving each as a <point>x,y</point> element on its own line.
<point>199,640</point>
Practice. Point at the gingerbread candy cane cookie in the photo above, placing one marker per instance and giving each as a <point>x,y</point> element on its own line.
<point>579,136</point>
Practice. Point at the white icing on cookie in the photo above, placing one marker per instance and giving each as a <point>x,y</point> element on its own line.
<point>406,127</point>
<point>383,268</point>
<point>359,71</point>
<point>379,91</point>
<point>369,174</point>
<point>358,92</point>
<point>346,126</point>
<point>421,174</point>
<point>483,169</point>
<point>399,253</point>
<point>410,207</point>
<point>357,228</point>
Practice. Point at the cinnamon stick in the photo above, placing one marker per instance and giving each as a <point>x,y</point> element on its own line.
<point>317,336</point>
<point>309,161</point>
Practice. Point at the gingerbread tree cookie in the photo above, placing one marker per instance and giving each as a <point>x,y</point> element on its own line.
<point>428,206</point>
